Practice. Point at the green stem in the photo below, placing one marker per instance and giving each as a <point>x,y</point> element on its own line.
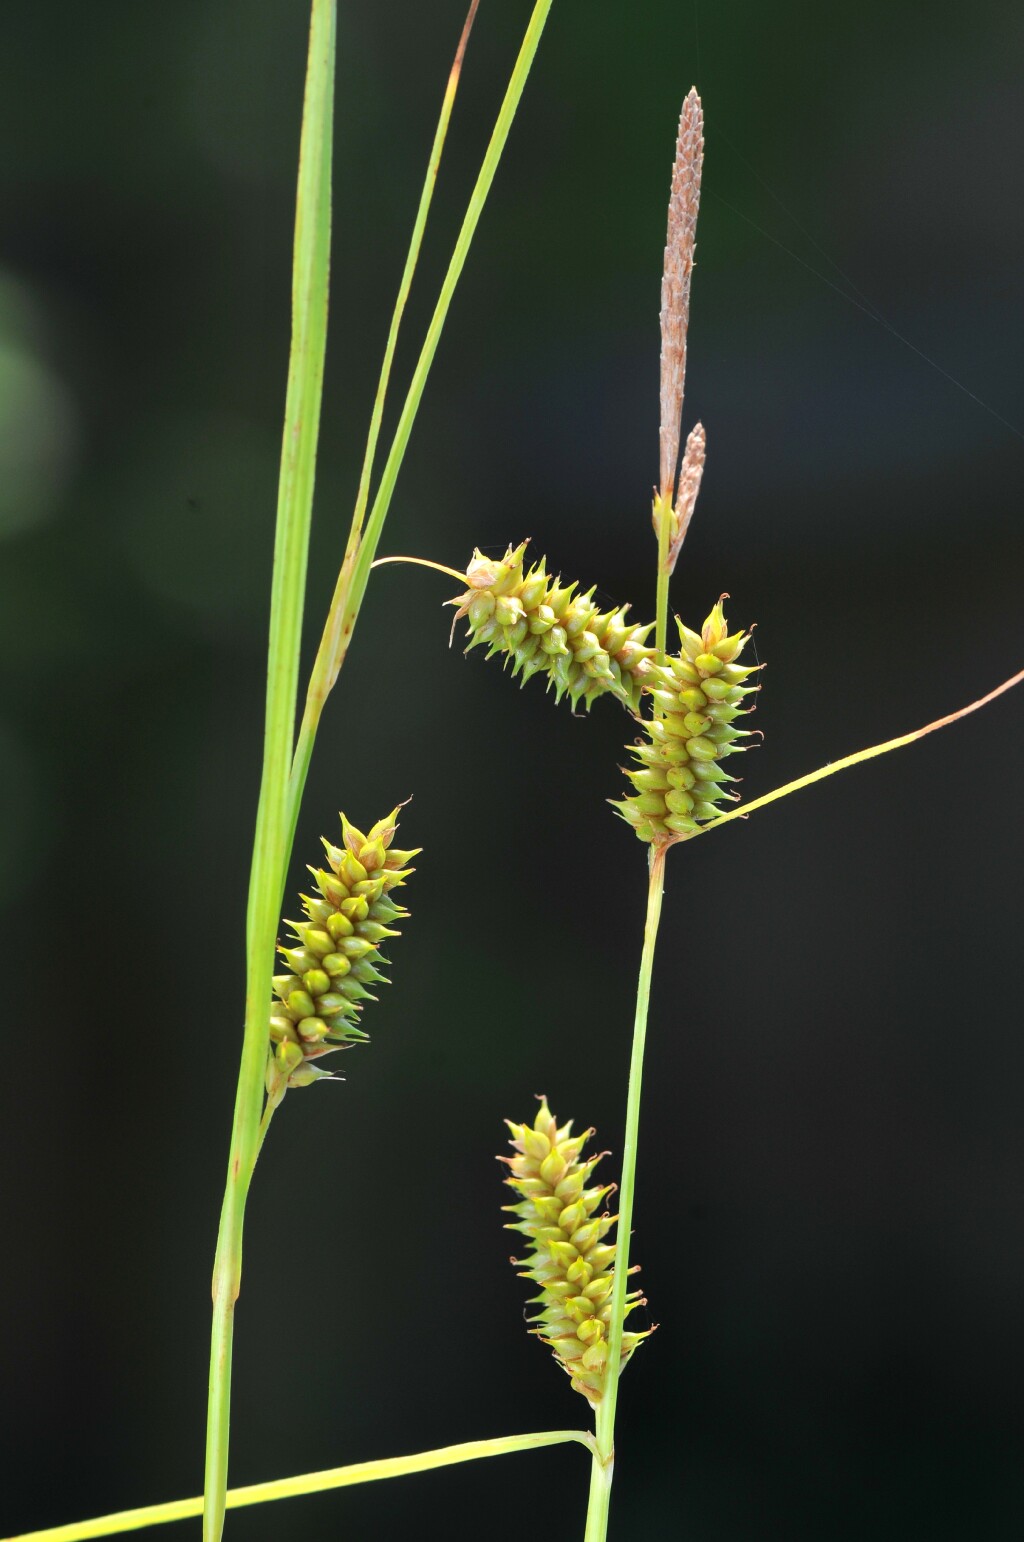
<point>600,1497</point>
<point>308,1483</point>
<point>270,847</point>
<point>663,525</point>
<point>355,570</point>
<point>604,1457</point>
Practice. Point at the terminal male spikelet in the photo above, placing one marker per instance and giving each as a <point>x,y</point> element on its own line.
<point>545,627</point>
<point>571,1262</point>
<point>336,952</point>
<point>699,696</point>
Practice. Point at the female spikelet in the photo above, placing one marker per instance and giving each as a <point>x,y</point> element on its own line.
<point>545,627</point>
<point>571,1262</point>
<point>337,952</point>
<point>699,694</point>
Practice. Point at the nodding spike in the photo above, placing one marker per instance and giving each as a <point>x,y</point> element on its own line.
<point>544,627</point>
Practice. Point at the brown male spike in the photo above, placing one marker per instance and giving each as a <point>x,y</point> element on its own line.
<point>680,244</point>
<point>689,486</point>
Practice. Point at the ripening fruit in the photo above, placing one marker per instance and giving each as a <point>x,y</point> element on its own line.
<point>336,952</point>
<point>545,627</point>
<point>571,1260</point>
<point>699,694</point>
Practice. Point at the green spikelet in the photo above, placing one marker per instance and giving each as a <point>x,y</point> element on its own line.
<point>544,627</point>
<point>336,952</point>
<point>570,1261</point>
<point>699,696</point>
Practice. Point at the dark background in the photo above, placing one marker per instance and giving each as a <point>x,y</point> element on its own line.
<point>829,1210</point>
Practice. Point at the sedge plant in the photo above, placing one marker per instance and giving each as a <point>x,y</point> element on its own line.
<point>687,706</point>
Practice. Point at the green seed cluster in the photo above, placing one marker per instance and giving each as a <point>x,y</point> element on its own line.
<point>698,697</point>
<point>571,1262</point>
<point>337,952</point>
<point>545,627</point>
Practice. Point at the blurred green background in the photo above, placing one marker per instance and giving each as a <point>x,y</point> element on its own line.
<point>829,1216</point>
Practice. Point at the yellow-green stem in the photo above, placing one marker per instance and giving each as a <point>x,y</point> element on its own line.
<point>663,526</point>
<point>604,1456</point>
<point>424,562</point>
<point>855,759</point>
<point>271,846</point>
<point>307,1483</point>
<point>600,1496</point>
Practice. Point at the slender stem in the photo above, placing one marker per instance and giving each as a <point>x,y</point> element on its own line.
<point>601,1473</point>
<point>308,1483</point>
<point>423,562</point>
<point>477,200</point>
<point>405,285</point>
<point>270,850</point>
<point>341,617</point>
<point>663,525</point>
<point>854,760</point>
<point>355,569</point>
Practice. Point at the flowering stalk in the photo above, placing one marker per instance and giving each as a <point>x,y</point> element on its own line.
<point>604,1458</point>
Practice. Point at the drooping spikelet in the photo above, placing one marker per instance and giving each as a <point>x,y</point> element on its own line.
<point>336,953</point>
<point>570,1261</point>
<point>543,626</point>
<point>698,698</point>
